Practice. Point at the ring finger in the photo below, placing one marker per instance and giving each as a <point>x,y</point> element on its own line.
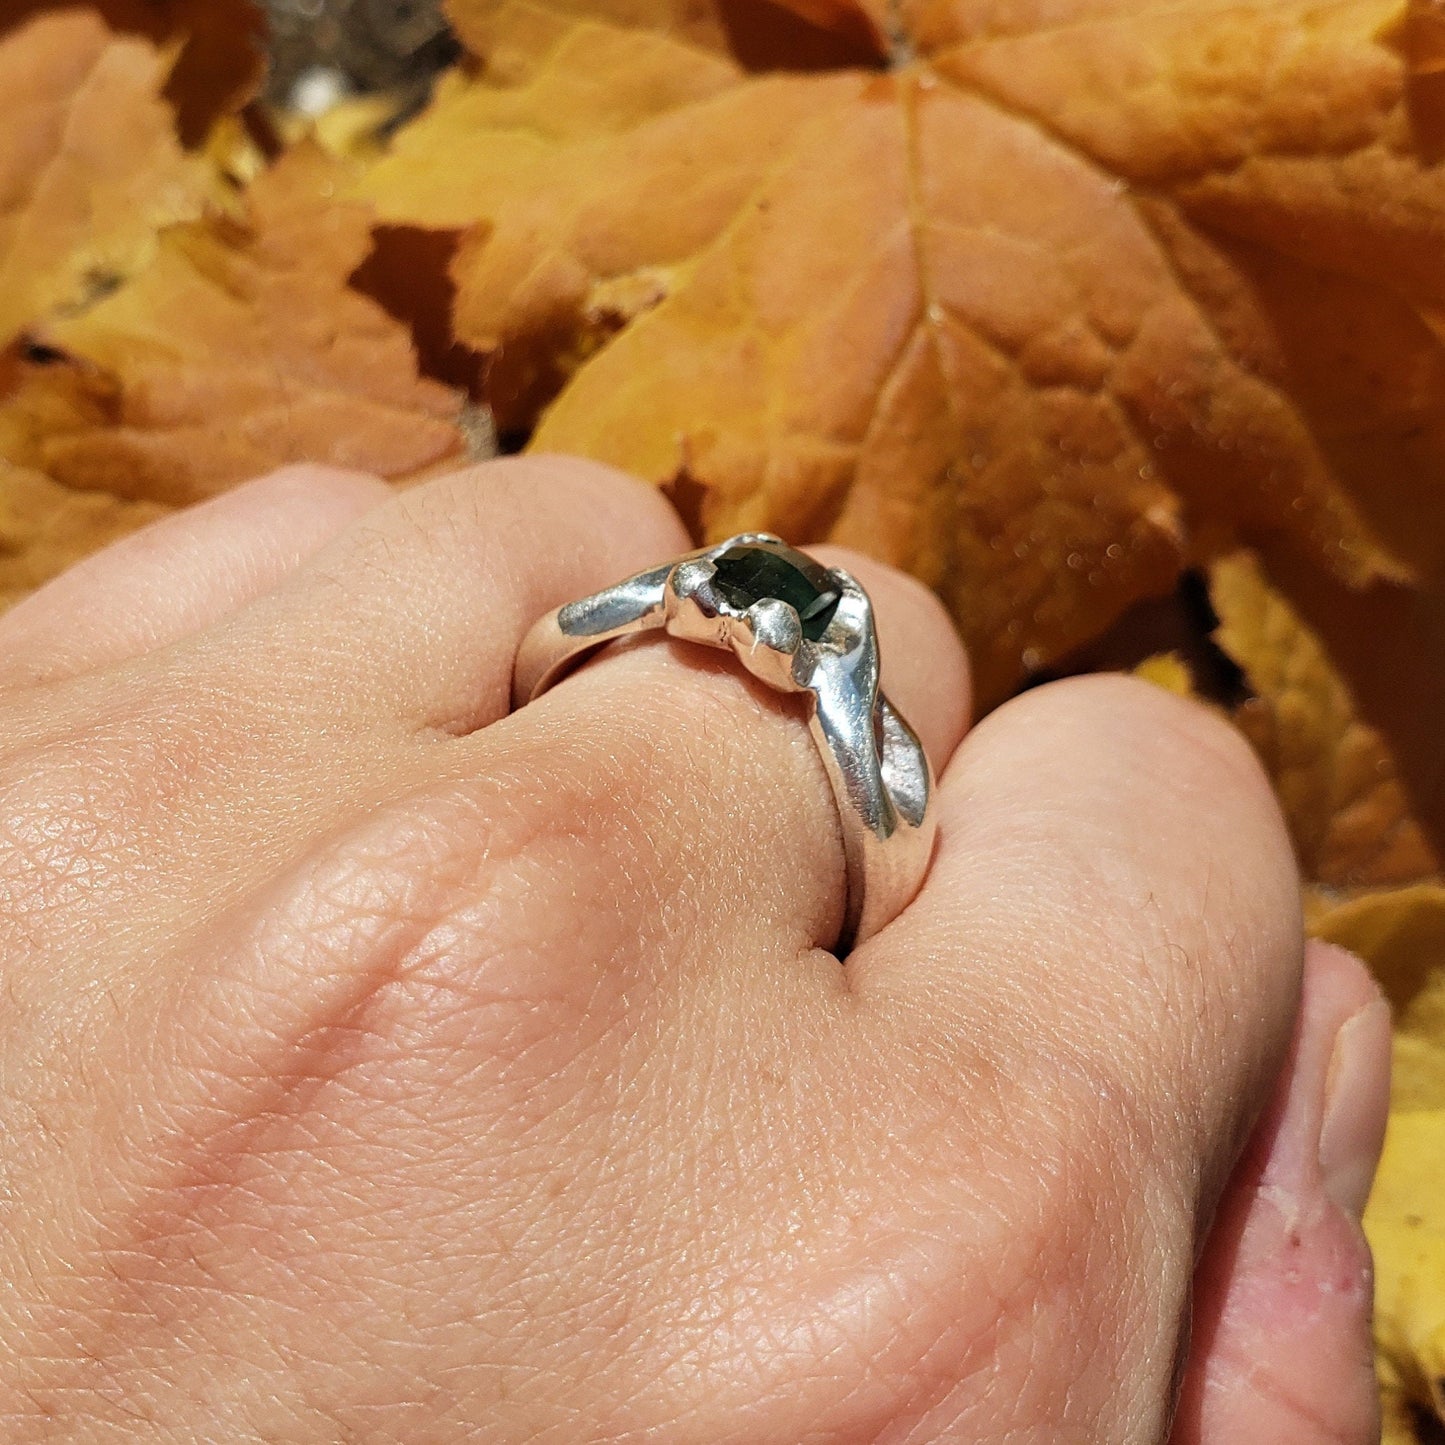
<point>413,619</point>
<point>702,801</point>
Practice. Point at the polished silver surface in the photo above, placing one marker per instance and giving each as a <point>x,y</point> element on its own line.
<point>875,763</point>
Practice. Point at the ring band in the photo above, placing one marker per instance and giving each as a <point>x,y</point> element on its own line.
<point>799,628</point>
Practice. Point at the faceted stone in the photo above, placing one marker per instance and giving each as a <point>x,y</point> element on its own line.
<point>754,570</point>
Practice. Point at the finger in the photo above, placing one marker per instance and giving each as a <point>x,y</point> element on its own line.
<point>414,615</point>
<point>1123,851</point>
<point>179,574</point>
<point>1281,1344</point>
<point>696,800</point>
<point>1103,967</point>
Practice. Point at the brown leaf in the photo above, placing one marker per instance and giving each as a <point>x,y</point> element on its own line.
<point>221,43</point>
<point>1034,313</point>
<point>44,527</point>
<point>240,348</point>
<point>1338,784</point>
<point>1401,935</point>
<point>90,167</point>
<point>1385,642</point>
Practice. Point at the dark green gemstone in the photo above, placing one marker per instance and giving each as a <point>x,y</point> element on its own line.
<point>748,573</point>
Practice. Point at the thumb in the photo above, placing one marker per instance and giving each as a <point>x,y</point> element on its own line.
<point>1281,1346</point>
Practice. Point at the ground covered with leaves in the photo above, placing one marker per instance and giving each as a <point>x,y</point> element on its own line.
<point>1121,325</point>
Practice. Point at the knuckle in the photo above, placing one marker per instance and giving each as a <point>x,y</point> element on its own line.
<point>446,926</point>
<point>66,808</point>
<point>85,801</point>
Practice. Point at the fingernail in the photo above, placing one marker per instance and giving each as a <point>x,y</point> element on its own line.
<point>1357,1103</point>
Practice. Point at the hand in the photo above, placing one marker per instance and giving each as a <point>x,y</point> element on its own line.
<point>376,1065</point>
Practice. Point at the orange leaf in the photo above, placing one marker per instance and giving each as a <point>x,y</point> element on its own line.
<point>90,167</point>
<point>1401,935</point>
<point>221,43</point>
<point>1032,305</point>
<point>1338,783</point>
<point>44,527</point>
<point>1385,643</point>
<point>240,348</point>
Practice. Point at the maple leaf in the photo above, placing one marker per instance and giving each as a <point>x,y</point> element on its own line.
<point>44,527</point>
<point>1339,786</point>
<point>1400,933</point>
<point>90,167</point>
<point>217,48</point>
<point>1384,642</point>
<point>238,349</point>
<point>1033,301</point>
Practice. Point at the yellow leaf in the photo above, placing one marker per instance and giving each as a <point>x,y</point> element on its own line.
<point>219,48</point>
<point>1417,1077</point>
<point>1169,671</point>
<point>1338,783</point>
<point>1397,1419</point>
<point>44,527</point>
<point>238,349</point>
<point>1401,935</point>
<point>90,167</point>
<point>353,128</point>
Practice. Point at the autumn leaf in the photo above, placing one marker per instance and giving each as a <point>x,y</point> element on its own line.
<point>90,166</point>
<point>1031,307</point>
<point>1338,784</point>
<point>1044,303</point>
<point>240,348</point>
<point>1169,671</point>
<point>1398,1426</point>
<point>216,48</point>
<point>44,527</point>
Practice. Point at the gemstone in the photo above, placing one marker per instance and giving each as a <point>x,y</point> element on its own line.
<point>754,570</point>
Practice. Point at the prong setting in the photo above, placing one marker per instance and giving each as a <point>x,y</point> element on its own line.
<point>723,597</point>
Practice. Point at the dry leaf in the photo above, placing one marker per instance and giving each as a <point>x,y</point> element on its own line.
<point>1417,1078</point>
<point>90,167</point>
<point>219,48</point>
<point>1401,935</point>
<point>1169,671</point>
<point>1336,780</point>
<point>240,348</point>
<point>997,313</point>
<point>1398,1426</point>
<point>44,527</point>
<point>1385,643</point>
<point>354,128</point>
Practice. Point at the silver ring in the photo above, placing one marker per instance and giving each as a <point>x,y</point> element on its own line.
<point>799,628</point>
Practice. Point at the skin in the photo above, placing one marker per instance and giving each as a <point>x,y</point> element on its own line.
<point>377,1065</point>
